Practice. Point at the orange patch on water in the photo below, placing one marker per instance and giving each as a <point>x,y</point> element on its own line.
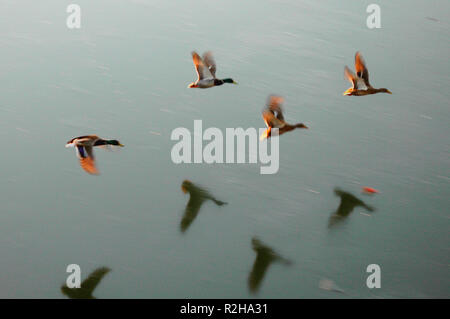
<point>370,190</point>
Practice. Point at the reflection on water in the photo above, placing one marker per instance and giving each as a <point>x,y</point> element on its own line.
<point>330,285</point>
<point>265,256</point>
<point>87,286</point>
<point>348,203</point>
<point>198,196</point>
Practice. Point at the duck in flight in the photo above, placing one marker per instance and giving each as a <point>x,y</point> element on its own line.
<point>87,286</point>
<point>206,72</point>
<point>360,80</point>
<point>265,256</point>
<point>198,196</point>
<point>84,146</point>
<point>273,117</point>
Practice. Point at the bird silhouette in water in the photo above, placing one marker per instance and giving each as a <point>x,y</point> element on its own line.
<point>273,117</point>
<point>87,286</point>
<point>265,256</point>
<point>348,203</point>
<point>198,196</point>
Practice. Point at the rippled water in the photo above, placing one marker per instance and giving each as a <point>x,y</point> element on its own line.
<point>124,74</point>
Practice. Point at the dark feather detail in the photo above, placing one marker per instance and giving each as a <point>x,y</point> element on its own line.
<point>100,142</point>
<point>81,151</point>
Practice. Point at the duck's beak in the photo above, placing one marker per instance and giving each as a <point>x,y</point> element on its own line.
<point>389,92</point>
<point>121,145</point>
<point>234,82</point>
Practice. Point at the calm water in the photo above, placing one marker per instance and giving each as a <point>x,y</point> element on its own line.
<point>124,75</point>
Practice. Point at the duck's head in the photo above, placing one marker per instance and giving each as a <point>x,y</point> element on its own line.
<point>186,185</point>
<point>229,80</point>
<point>115,143</point>
<point>384,90</point>
<point>192,85</point>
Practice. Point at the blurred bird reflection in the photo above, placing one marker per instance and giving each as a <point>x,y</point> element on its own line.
<point>87,286</point>
<point>348,203</point>
<point>265,256</point>
<point>198,196</point>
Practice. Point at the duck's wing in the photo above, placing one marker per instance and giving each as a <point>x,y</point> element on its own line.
<point>262,262</point>
<point>351,77</point>
<point>265,256</point>
<point>191,211</point>
<point>259,269</point>
<point>89,284</point>
<point>274,104</point>
<point>202,70</point>
<point>210,63</point>
<point>87,160</point>
<point>361,69</point>
<point>271,120</point>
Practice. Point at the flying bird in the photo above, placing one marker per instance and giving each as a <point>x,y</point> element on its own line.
<point>273,117</point>
<point>87,286</point>
<point>206,72</point>
<point>360,80</point>
<point>84,146</point>
<point>198,196</point>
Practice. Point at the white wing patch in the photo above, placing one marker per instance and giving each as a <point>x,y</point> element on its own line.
<point>361,85</point>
